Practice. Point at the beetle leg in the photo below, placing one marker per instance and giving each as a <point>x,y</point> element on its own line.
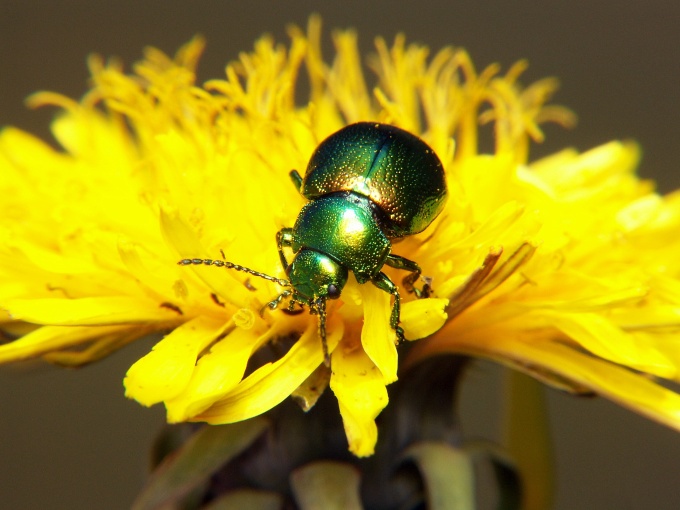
<point>274,303</point>
<point>297,179</point>
<point>291,304</point>
<point>291,309</point>
<point>284,237</point>
<point>399,262</point>
<point>383,282</point>
<point>319,308</point>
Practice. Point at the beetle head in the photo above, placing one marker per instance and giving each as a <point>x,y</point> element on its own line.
<point>315,276</point>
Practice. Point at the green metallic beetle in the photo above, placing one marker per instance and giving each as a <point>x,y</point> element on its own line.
<point>368,184</point>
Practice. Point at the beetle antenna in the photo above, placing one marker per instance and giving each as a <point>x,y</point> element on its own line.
<point>231,265</point>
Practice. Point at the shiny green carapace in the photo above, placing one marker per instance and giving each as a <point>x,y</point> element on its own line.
<point>399,172</point>
<point>367,185</point>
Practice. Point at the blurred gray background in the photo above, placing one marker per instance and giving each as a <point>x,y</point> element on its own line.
<point>70,440</point>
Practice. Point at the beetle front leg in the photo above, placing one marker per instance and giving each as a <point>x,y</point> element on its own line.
<point>274,304</point>
<point>399,262</point>
<point>284,237</point>
<point>383,282</point>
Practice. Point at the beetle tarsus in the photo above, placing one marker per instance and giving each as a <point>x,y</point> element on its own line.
<point>424,292</point>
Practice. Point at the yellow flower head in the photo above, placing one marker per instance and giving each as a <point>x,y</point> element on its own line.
<point>565,268</point>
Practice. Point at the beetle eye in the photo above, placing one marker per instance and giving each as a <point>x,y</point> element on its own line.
<point>333,292</point>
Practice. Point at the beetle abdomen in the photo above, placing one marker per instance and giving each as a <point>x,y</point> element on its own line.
<point>399,172</point>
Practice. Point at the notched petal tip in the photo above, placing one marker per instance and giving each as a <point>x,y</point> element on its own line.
<point>166,371</point>
<point>327,484</point>
<point>423,317</point>
<point>360,389</point>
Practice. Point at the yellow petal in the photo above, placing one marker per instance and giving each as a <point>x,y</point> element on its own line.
<point>377,336</point>
<point>630,389</point>
<point>423,317</point>
<point>360,389</point>
<point>216,374</point>
<point>97,349</point>
<point>88,311</point>
<point>272,383</point>
<point>52,338</point>
<point>181,237</point>
<point>166,370</point>
<point>603,338</point>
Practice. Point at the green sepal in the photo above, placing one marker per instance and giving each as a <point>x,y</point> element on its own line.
<point>326,485</point>
<point>509,484</point>
<point>168,440</point>
<point>247,499</point>
<point>504,471</point>
<point>206,451</point>
<point>527,439</point>
<point>448,474</point>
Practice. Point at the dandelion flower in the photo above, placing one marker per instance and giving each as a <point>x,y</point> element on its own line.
<point>564,267</point>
